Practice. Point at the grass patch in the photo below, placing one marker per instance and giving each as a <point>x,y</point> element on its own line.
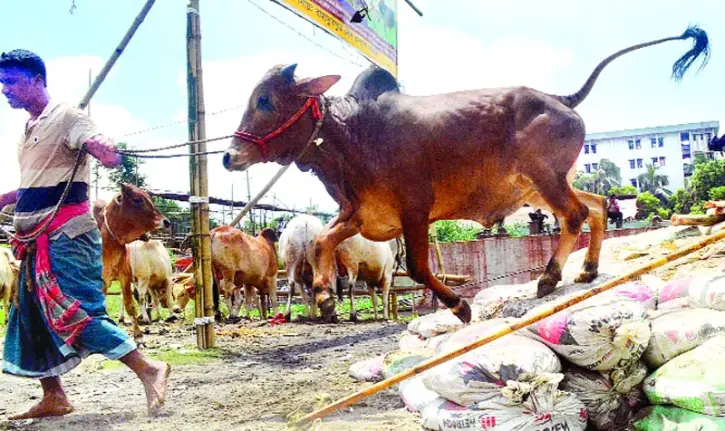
<point>188,355</point>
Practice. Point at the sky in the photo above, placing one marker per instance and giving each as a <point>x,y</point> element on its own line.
<point>550,45</point>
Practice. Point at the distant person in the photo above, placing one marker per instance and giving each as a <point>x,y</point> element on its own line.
<point>538,217</point>
<point>613,211</point>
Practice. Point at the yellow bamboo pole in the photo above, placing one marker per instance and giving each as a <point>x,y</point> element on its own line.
<point>199,192</point>
<point>519,324</point>
<point>697,219</point>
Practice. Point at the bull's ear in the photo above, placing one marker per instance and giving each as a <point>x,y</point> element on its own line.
<point>313,87</point>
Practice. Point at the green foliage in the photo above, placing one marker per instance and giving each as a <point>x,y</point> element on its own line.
<point>708,175</point>
<point>651,181</point>
<point>127,171</point>
<point>179,217</point>
<point>517,230</point>
<point>697,208</point>
<point>600,181</point>
<point>717,193</point>
<point>681,201</point>
<point>623,191</point>
<point>647,204</point>
<point>451,230</point>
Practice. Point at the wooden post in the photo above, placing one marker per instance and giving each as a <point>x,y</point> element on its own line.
<point>199,193</point>
<point>439,259</point>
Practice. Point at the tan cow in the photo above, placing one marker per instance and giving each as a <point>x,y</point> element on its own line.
<point>9,272</point>
<point>241,260</point>
<point>368,261</point>
<point>130,215</point>
<point>151,274</point>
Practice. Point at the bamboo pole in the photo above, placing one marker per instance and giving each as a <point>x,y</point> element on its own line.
<point>699,219</point>
<point>521,323</point>
<point>201,241</point>
<point>439,259</point>
<point>454,278</point>
<point>259,196</point>
<point>116,53</point>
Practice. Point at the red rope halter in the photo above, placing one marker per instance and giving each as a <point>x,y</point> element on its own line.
<point>261,142</point>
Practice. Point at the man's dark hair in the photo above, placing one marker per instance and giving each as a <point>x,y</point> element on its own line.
<point>25,60</point>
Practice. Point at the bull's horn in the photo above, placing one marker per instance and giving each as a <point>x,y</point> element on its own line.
<point>288,72</point>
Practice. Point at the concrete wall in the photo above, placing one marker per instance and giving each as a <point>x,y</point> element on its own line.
<point>496,257</point>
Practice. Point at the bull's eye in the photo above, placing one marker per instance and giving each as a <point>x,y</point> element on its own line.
<point>138,202</point>
<point>264,103</point>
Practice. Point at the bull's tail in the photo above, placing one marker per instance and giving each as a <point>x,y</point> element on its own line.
<point>701,48</point>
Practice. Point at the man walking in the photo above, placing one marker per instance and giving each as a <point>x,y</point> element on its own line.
<point>61,317</point>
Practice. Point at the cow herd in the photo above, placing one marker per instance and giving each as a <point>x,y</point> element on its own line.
<point>245,267</point>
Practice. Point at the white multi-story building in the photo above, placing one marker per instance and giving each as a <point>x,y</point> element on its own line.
<point>670,148</point>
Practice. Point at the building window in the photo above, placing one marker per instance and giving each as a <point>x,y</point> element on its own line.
<point>662,161</point>
<point>595,166</point>
<point>631,164</point>
<point>633,181</point>
<point>594,149</point>
<point>653,141</point>
<point>587,168</point>
<point>637,144</point>
<point>639,163</point>
<point>661,142</point>
<point>586,149</point>
<point>685,136</point>
<point>631,144</point>
<point>654,161</point>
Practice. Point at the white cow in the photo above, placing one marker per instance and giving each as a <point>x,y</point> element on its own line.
<point>368,261</point>
<point>151,273</point>
<point>9,272</point>
<point>296,245</point>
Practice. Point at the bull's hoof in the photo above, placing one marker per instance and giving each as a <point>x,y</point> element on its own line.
<point>462,311</point>
<point>234,319</point>
<point>171,319</point>
<point>353,317</point>
<point>586,276</point>
<point>288,317</point>
<point>546,286</point>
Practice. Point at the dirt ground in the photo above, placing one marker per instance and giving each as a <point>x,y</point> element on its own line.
<point>259,376</point>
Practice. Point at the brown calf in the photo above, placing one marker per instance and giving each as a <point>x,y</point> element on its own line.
<point>243,260</point>
<point>130,215</point>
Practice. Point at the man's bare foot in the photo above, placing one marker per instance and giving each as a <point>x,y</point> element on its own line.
<point>50,405</point>
<point>154,380</point>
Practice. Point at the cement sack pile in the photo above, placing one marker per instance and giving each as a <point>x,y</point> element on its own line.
<point>694,380</point>
<point>678,331</point>
<point>531,404</point>
<point>609,331</point>
<point>667,418</point>
<point>700,291</point>
<point>613,399</point>
<point>437,323</point>
<point>481,373</point>
<point>489,302</point>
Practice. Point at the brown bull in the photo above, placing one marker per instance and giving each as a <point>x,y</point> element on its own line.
<point>130,215</point>
<point>395,163</point>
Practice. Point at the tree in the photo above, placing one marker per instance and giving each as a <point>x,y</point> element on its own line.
<point>128,171</point>
<point>606,176</point>
<point>623,191</point>
<point>647,204</point>
<point>179,217</point>
<point>681,201</point>
<point>653,182</point>
<point>452,230</point>
<point>584,181</point>
<point>708,175</point>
